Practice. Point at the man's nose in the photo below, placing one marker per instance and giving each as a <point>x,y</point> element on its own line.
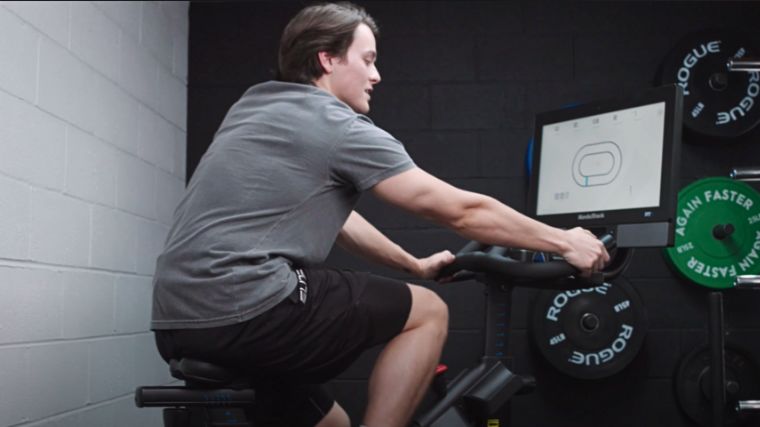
<point>374,77</point>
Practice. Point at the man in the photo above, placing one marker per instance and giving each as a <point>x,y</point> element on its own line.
<point>236,284</point>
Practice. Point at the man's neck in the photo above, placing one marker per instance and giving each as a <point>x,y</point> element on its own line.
<point>324,84</point>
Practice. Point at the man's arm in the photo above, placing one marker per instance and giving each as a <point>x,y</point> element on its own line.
<point>482,218</point>
<point>362,238</point>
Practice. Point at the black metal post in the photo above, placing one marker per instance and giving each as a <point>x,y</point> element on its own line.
<point>498,327</point>
<point>716,338</point>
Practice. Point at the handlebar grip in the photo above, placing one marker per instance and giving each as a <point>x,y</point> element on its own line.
<point>450,270</point>
<point>506,267</point>
<point>472,246</point>
<point>473,258</point>
<point>609,241</point>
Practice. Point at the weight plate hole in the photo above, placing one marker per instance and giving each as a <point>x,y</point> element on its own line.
<point>719,81</point>
<point>721,231</point>
<point>589,322</point>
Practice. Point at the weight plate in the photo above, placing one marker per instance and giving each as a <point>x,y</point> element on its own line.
<point>693,385</point>
<point>716,102</point>
<point>590,333</point>
<point>717,235</point>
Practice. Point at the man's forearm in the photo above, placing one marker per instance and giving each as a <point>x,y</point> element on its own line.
<point>472,215</point>
<point>489,221</point>
<point>362,238</point>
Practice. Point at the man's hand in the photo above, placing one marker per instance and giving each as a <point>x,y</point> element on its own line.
<point>428,268</point>
<point>585,252</point>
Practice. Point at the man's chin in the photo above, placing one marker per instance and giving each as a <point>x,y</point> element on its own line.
<point>361,109</point>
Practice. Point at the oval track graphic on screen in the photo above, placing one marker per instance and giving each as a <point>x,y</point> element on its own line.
<point>597,164</point>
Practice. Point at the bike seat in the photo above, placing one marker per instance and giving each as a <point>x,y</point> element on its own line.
<point>204,374</point>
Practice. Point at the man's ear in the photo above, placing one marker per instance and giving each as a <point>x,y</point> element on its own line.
<point>326,61</point>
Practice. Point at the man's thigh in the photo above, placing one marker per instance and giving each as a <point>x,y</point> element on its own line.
<point>309,342</point>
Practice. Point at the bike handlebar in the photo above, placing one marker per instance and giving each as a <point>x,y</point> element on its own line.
<point>478,258</point>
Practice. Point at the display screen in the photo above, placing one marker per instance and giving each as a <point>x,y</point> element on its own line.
<point>610,166</point>
<point>602,162</point>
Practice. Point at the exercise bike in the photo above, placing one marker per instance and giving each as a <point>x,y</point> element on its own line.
<point>216,396</point>
<point>480,396</point>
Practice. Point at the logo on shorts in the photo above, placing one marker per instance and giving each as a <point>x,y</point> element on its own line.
<point>302,290</point>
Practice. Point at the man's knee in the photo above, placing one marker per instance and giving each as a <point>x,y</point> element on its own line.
<point>427,309</point>
<point>336,417</point>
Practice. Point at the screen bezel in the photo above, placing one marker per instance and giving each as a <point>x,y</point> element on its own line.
<point>672,96</point>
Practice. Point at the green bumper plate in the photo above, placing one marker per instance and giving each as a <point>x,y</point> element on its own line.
<point>717,232</point>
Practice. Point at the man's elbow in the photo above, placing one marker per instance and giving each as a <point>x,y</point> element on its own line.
<point>463,220</point>
<point>476,212</point>
<point>458,216</point>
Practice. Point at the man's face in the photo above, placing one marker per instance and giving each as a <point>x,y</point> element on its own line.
<point>353,76</point>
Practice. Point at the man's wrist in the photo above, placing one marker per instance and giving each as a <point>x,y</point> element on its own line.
<point>562,241</point>
<point>414,267</point>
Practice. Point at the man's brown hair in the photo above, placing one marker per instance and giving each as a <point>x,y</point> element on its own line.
<point>319,28</point>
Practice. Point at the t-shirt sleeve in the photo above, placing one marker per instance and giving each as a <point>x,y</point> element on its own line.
<point>367,155</point>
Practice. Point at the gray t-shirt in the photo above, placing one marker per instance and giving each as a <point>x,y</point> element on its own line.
<point>275,187</point>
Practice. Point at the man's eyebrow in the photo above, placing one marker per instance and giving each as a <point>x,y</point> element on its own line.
<point>371,54</point>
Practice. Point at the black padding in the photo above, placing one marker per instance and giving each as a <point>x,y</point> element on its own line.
<point>198,371</point>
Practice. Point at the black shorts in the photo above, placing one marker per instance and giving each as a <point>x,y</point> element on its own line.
<point>290,350</point>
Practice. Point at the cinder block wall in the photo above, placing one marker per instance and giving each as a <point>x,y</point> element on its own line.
<point>92,163</point>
